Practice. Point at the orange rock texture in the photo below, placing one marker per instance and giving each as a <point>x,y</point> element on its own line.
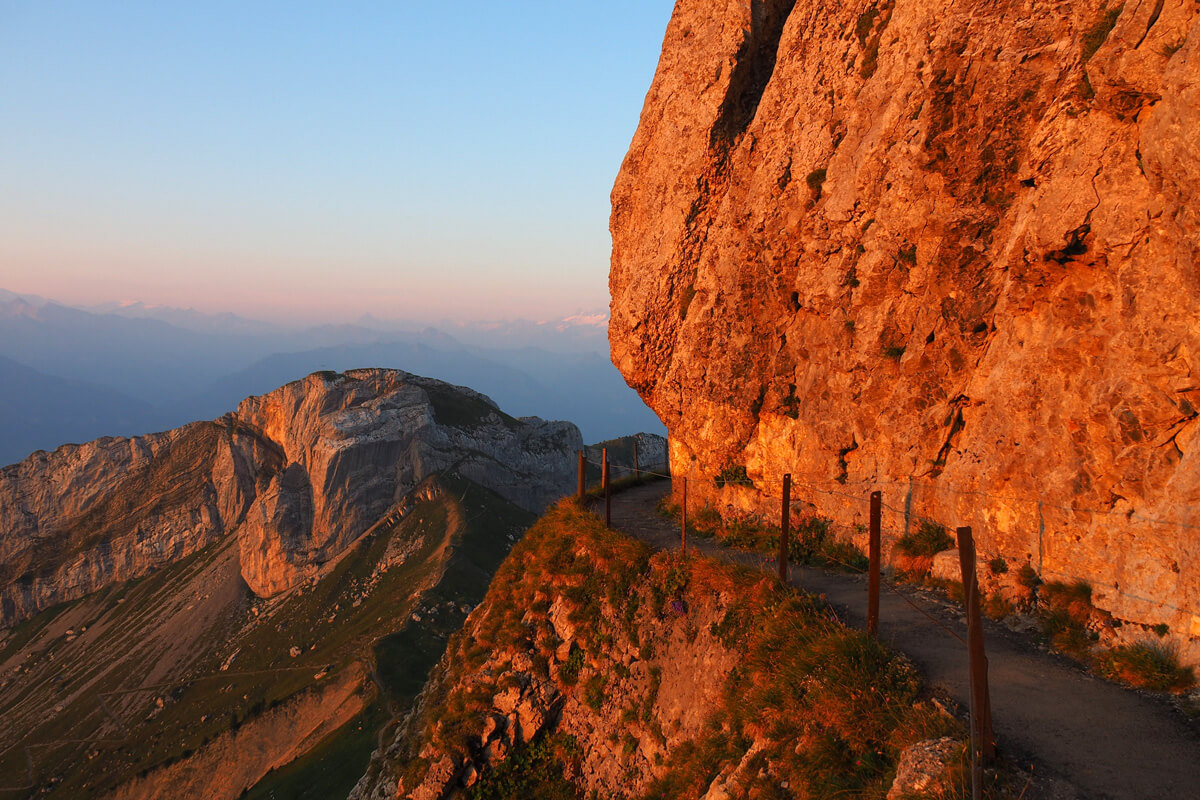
<point>949,250</point>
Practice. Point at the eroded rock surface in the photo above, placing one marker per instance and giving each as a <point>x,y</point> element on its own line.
<point>297,474</point>
<point>948,250</point>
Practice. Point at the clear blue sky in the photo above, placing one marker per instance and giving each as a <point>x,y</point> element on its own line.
<point>321,159</point>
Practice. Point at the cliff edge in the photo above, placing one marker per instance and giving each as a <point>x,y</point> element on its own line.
<point>946,250</point>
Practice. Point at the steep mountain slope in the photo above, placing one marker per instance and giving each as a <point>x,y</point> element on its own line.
<point>299,474</point>
<point>185,684</point>
<point>948,250</point>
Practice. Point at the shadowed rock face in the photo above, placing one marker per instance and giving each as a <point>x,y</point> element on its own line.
<point>949,250</point>
<point>297,475</point>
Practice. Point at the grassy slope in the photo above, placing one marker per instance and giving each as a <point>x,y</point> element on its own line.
<point>167,623</point>
<point>403,659</point>
<point>826,708</point>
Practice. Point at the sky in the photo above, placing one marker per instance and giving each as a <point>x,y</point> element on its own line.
<point>319,161</point>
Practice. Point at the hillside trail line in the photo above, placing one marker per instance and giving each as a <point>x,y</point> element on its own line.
<point>1107,742</point>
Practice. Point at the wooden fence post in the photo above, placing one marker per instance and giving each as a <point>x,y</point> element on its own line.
<point>582,477</point>
<point>873,549</point>
<point>683,518</point>
<point>637,470</point>
<point>607,489</point>
<point>983,744</point>
<point>785,523</point>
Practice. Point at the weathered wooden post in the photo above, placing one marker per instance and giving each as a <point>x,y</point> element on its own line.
<point>983,745</point>
<point>607,489</point>
<point>874,557</point>
<point>683,518</point>
<point>785,523</point>
<point>582,477</point>
<point>637,470</point>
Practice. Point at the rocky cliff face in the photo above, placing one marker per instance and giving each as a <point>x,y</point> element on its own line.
<point>948,250</point>
<point>298,474</point>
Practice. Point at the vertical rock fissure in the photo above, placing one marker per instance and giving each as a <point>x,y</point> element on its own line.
<point>752,71</point>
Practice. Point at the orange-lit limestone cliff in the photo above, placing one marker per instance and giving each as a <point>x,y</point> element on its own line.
<point>950,250</point>
<point>298,474</point>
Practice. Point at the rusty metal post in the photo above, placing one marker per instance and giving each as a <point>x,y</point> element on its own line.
<point>983,743</point>
<point>683,518</point>
<point>607,490</point>
<point>874,557</point>
<point>637,470</point>
<point>785,524</point>
<point>582,477</point>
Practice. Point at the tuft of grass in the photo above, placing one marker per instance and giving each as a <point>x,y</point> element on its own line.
<point>1148,665</point>
<point>1065,611</point>
<point>1027,576</point>
<point>998,607</point>
<point>734,475</point>
<point>928,539</point>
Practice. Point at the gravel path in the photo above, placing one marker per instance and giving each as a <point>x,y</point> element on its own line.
<point>1107,742</point>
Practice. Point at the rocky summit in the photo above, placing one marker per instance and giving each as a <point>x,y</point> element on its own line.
<point>945,250</point>
<point>296,475</point>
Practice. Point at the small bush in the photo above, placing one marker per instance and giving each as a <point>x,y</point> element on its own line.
<point>1027,576</point>
<point>1148,665</point>
<point>593,692</point>
<point>998,565</point>
<point>734,475</point>
<point>1065,613</point>
<point>998,607</point>
<point>569,672</point>
<point>928,539</point>
<point>1161,629</point>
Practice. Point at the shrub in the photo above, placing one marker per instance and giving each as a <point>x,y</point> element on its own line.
<point>928,539</point>
<point>1148,665</point>
<point>1027,576</point>
<point>593,692</point>
<point>734,475</point>
<point>1065,613</point>
<point>569,672</point>
<point>998,607</point>
<point>998,565</point>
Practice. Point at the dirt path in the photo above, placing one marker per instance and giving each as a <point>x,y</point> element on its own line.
<point>1107,742</point>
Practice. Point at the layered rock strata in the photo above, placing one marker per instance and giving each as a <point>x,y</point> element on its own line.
<point>948,250</point>
<point>297,475</point>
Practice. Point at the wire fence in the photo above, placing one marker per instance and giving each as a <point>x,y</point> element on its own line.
<point>1125,552</point>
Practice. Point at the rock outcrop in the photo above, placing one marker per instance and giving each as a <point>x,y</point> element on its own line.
<point>948,250</point>
<point>629,674</point>
<point>297,475</point>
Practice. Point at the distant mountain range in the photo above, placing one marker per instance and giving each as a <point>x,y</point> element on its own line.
<point>72,374</point>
